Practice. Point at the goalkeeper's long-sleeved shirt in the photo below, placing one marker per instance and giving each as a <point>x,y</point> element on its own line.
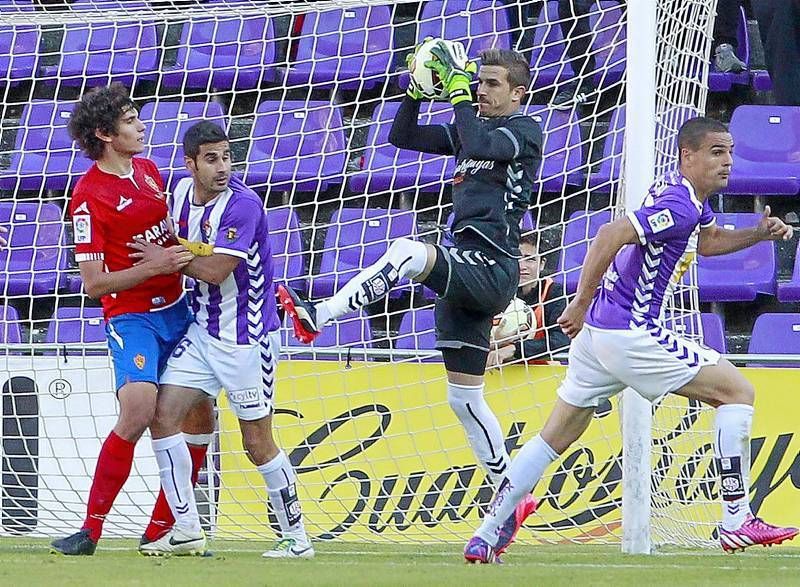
<point>496,163</point>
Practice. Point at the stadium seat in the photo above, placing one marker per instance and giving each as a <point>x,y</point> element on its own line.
<point>723,82</point>
<point>287,247</point>
<point>775,334</point>
<point>356,238</point>
<point>610,169</point>
<point>332,46</point>
<point>36,258</point>
<point>761,81</point>
<point>713,329</point>
<point>166,123</point>
<point>417,330</point>
<point>550,63</point>
<point>10,331</point>
<point>97,53</point>
<point>44,155</point>
<point>350,330</point>
<point>76,325</point>
<point>479,24</point>
<point>19,45</point>
<point>384,167</point>
<point>226,53</point>
<point>562,157</point>
<point>790,291</point>
<point>765,160</point>
<point>580,229</point>
<point>297,145</point>
<point>738,276</point>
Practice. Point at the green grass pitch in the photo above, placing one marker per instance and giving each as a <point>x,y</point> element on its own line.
<point>28,563</point>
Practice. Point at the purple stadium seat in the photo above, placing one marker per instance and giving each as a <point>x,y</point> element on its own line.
<point>348,331</point>
<point>44,154</point>
<point>562,158</point>
<point>287,247</point>
<point>722,82</point>
<point>385,167</point>
<point>417,330</point>
<point>761,80</point>
<point>332,48</point>
<point>357,238</point>
<point>36,257</point>
<point>611,165</point>
<point>10,331</point>
<point>549,60</point>
<point>166,123</point>
<point>713,329</point>
<point>775,334</point>
<point>765,160</point>
<point>581,228</point>
<point>19,45</point>
<point>790,290</point>
<point>479,24</point>
<point>738,276</point>
<point>97,53</point>
<point>76,325</point>
<point>224,53</point>
<point>297,145</point>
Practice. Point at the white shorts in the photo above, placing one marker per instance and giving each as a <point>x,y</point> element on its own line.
<point>604,362</point>
<point>247,373</point>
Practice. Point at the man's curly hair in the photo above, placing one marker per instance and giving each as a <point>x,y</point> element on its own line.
<point>99,109</point>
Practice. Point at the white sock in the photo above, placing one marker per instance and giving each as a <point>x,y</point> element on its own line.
<point>175,470</point>
<point>483,430</point>
<point>732,450</point>
<point>524,473</point>
<point>279,476</point>
<point>403,258</point>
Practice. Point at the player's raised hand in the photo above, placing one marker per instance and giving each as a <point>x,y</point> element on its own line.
<point>571,319</point>
<point>162,260</point>
<point>773,228</point>
<point>454,69</point>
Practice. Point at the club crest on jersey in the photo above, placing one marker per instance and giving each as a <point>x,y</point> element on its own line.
<point>138,360</point>
<point>82,227</point>
<point>207,229</point>
<point>231,234</point>
<point>152,183</point>
<point>660,221</point>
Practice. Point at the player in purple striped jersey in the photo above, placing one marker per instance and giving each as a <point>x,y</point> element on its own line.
<point>621,340</point>
<point>228,346</point>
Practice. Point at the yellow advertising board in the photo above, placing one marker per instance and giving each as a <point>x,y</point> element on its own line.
<point>381,457</point>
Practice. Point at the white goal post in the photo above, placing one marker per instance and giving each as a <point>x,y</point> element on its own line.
<point>307,92</point>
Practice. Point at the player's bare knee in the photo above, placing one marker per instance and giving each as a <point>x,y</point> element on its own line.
<point>259,445</point>
<point>740,392</point>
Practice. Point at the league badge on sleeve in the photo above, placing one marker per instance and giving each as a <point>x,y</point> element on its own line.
<point>660,221</point>
<point>232,234</point>
<point>82,228</point>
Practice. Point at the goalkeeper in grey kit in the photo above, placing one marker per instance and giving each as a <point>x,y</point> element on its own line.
<point>497,155</point>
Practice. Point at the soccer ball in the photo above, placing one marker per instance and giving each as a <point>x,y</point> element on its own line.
<point>427,80</point>
<point>517,322</point>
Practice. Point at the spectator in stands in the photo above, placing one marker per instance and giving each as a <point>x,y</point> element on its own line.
<point>726,41</point>
<point>779,24</point>
<point>546,298</point>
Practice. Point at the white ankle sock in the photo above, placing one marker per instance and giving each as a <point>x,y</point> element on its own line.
<point>732,451</point>
<point>175,470</point>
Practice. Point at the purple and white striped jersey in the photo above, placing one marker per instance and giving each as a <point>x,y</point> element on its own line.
<point>241,310</point>
<point>637,287</point>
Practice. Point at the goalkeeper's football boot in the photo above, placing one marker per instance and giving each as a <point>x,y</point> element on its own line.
<point>479,551</point>
<point>754,531</point>
<point>291,548</point>
<point>177,542</point>
<point>508,531</point>
<point>302,313</point>
<point>75,545</point>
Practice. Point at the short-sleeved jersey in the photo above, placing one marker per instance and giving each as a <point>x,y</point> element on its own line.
<point>490,197</point>
<point>639,284</point>
<point>108,211</point>
<point>241,310</point>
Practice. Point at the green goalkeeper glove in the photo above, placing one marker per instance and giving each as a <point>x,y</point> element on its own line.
<point>412,91</point>
<point>197,248</point>
<point>456,79</point>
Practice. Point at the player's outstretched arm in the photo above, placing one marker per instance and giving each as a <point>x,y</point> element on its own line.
<point>718,241</point>
<point>609,240</point>
<point>407,133</point>
<point>213,269</point>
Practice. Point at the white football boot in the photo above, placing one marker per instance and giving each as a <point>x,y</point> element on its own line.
<point>176,542</point>
<point>291,548</point>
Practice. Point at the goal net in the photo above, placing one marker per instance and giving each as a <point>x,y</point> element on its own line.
<point>307,92</point>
